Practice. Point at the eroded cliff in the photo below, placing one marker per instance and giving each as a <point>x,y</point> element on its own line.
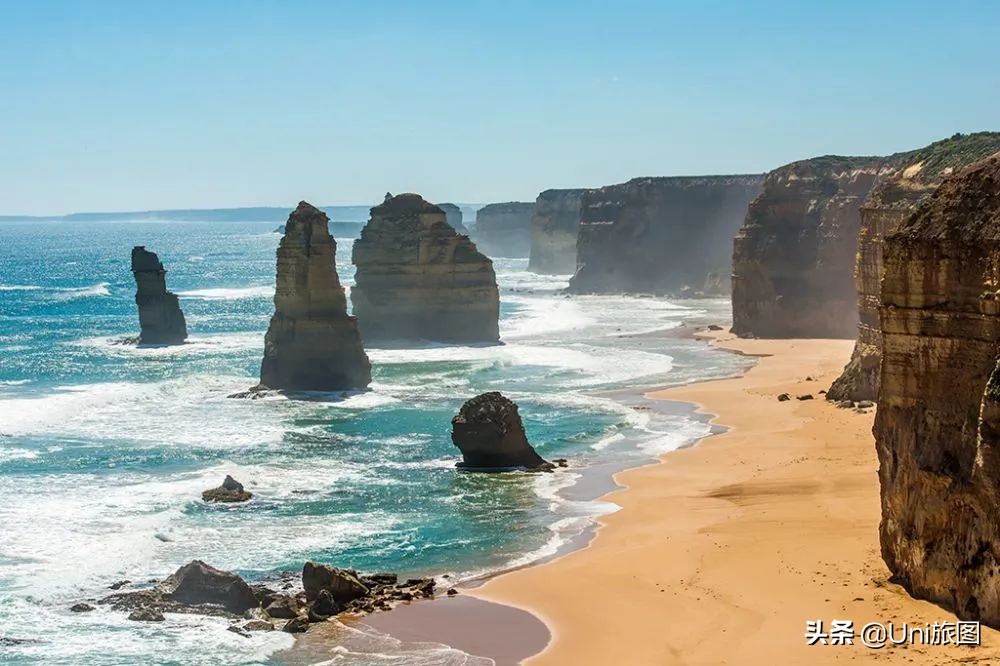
<point>504,229</point>
<point>938,419</point>
<point>660,235</point>
<point>900,190</point>
<point>554,227</point>
<point>311,342</point>
<point>417,279</point>
<point>454,215</point>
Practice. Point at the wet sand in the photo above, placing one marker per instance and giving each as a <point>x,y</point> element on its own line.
<point>722,552</point>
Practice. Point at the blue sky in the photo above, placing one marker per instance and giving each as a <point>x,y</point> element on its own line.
<point>138,105</point>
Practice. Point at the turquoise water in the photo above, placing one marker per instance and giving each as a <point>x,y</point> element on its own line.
<point>105,448</point>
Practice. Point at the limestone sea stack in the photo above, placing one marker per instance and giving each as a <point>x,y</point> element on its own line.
<point>419,280</point>
<point>504,229</point>
<point>555,224</point>
<point>793,259</point>
<point>897,194</point>
<point>660,235</point>
<point>161,321</point>
<point>489,432</point>
<point>311,342</point>
<point>937,428</point>
<point>454,215</point>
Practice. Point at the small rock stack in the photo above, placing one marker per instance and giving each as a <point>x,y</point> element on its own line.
<point>161,321</point>
<point>489,432</point>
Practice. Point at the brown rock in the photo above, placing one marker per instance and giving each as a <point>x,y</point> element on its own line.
<point>937,427</point>
<point>489,432</point>
<point>311,342</point>
<point>419,280</point>
<point>296,625</point>
<point>342,584</point>
<point>231,490</point>
<point>160,318</point>
<point>146,615</point>
<point>283,607</point>
<point>199,583</point>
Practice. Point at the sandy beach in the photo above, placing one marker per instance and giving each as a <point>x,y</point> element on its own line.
<point>722,552</point>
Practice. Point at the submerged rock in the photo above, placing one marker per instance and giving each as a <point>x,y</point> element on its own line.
<point>419,280</point>
<point>489,432</point>
<point>161,321</point>
<point>146,615</point>
<point>937,427</point>
<point>81,608</point>
<point>311,342</point>
<point>231,490</point>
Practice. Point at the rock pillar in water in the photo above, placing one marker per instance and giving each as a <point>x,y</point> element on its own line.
<point>311,343</point>
<point>489,432</point>
<point>419,280</point>
<point>161,321</point>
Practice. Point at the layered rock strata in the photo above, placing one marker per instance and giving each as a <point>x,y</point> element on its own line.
<point>454,215</point>
<point>897,194</point>
<point>937,428</point>
<point>419,280</point>
<point>793,259</point>
<point>489,433</point>
<point>659,235</point>
<point>555,225</point>
<point>504,229</point>
<point>161,321</point>
<point>311,342</point>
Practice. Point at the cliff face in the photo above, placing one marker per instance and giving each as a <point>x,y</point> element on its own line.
<point>793,259</point>
<point>161,321</point>
<point>659,235</point>
<point>937,428</point>
<point>311,343</point>
<point>900,190</point>
<point>419,280</point>
<point>454,215</point>
<point>504,229</point>
<point>554,227</point>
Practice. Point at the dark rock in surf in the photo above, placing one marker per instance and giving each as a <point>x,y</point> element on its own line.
<point>342,584</point>
<point>161,321</point>
<point>231,490</point>
<point>489,432</point>
<point>199,583</point>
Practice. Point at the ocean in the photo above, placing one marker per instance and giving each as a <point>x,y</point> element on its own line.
<point>105,448</point>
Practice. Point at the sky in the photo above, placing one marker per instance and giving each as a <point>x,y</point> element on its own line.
<point>112,106</point>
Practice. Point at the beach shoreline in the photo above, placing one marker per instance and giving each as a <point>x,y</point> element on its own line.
<point>723,551</point>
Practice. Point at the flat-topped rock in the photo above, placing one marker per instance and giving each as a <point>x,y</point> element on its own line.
<point>555,224</point>
<point>417,279</point>
<point>504,229</point>
<point>455,217</point>
<point>161,321</point>
<point>311,343</point>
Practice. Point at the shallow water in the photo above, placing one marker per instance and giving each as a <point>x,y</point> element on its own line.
<point>105,448</point>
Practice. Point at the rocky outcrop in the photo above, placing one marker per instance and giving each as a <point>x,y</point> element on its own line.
<point>419,280</point>
<point>659,235</point>
<point>555,224</point>
<point>454,215</point>
<point>900,190</point>
<point>504,229</point>
<point>231,490</point>
<point>311,342</point>
<point>937,427</point>
<point>161,321</point>
<point>793,259</point>
<point>489,432</point>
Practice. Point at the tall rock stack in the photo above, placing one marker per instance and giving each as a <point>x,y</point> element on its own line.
<point>454,215</point>
<point>161,321</point>
<point>555,225</point>
<point>793,259</point>
<point>419,280</point>
<point>660,235</point>
<point>898,193</point>
<point>937,428</point>
<point>311,343</point>
<point>504,229</point>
